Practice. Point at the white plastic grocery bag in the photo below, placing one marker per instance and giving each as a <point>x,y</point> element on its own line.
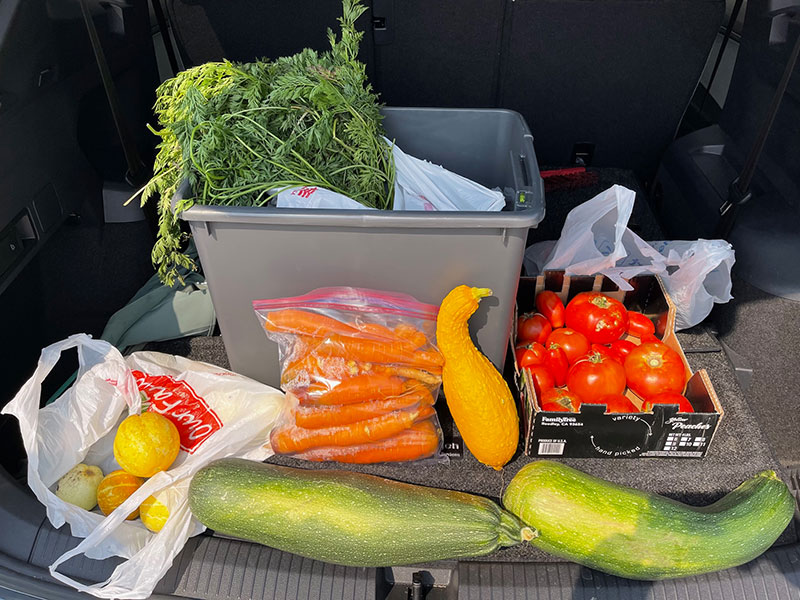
<point>311,196</point>
<point>596,239</point>
<point>422,185</point>
<point>218,414</point>
<point>419,185</point>
<point>697,276</point>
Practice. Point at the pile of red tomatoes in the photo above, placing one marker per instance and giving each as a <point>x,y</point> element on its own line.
<point>575,355</point>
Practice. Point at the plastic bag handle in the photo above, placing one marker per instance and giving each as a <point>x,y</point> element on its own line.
<point>47,360</point>
<point>25,405</point>
<point>176,529</point>
<point>101,532</point>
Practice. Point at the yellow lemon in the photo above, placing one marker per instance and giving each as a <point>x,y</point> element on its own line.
<point>115,489</point>
<point>153,513</point>
<point>146,444</point>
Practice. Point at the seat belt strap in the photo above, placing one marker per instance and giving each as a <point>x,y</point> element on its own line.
<point>737,7</point>
<point>739,190</point>
<point>137,173</point>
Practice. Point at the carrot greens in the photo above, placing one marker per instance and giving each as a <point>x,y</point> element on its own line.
<point>237,133</point>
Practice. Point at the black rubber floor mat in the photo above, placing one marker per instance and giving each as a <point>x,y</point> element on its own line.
<point>52,543</point>
<point>773,576</point>
<point>212,568</point>
<point>221,569</point>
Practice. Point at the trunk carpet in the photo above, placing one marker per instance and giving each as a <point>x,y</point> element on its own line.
<point>763,330</point>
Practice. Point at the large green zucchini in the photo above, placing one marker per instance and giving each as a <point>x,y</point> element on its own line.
<point>348,518</point>
<point>634,534</point>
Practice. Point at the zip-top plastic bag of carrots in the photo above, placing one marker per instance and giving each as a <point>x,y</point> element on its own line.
<point>362,371</point>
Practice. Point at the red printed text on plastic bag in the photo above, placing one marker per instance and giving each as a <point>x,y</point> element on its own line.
<point>176,400</point>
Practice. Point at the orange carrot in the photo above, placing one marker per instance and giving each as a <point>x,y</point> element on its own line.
<point>303,346</point>
<point>301,357</point>
<point>290,439</point>
<point>378,331</point>
<point>304,322</point>
<point>317,372</point>
<point>317,388</point>
<point>320,368</point>
<point>420,441</point>
<point>293,367</point>
<point>363,387</point>
<point>380,352</point>
<point>412,334</point>
<point>403,333</point>
<point>420,392</point>
<point>409,373</point>
<point>317,417</point>
<point>375,329</point>
<point>316,393</point>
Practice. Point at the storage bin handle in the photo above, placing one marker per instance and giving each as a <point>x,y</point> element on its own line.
<point>527,181</point>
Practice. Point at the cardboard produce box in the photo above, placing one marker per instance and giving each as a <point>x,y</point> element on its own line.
<point>591,433</point>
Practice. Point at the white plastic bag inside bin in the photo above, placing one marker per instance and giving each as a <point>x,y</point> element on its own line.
<point>218,414</point>
<point>311,196</point>
<point>596,239</point>
<point>421,185</point>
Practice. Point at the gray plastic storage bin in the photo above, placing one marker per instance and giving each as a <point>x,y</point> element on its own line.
<point>257,253</point>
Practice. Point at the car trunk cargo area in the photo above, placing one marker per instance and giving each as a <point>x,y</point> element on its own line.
<point>217,568</point>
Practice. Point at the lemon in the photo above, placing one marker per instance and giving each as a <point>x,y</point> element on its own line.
<point>153,514</point>
<point>146,444</point>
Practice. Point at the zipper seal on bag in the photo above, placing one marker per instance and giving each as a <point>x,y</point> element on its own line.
<point>342,298</point>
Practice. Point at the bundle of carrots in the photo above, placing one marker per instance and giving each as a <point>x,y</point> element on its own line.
<point>365,391</point>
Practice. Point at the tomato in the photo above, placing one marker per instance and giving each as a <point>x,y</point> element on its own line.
<point>622,348</point>
<point>607,352</point>
<point>529,354</point>
<point>649,338</point>
<point>533,328</point>
<point>618,403</point>
<point>549,304</point>
<point>639,325</point>
<point>661,324</point>
<point>556,362</point>
<point>574,344</point>
<point>560,400</point>
<point>542,379</point>
<point>595,376</point>
<point>683,403</point>
<point>600,318</point>
<point>654,368</point>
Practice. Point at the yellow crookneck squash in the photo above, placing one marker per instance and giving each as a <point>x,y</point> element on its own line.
<point>482,406</point>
